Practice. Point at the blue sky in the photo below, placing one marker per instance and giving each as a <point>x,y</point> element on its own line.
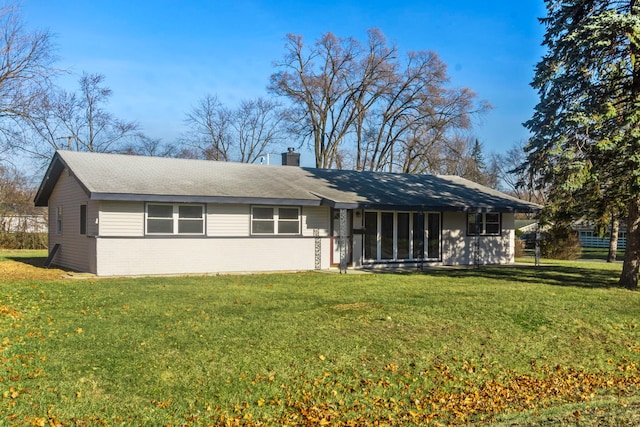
<point>159,57</point>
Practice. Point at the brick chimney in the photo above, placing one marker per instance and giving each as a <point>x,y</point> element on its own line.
<point>291,158</point>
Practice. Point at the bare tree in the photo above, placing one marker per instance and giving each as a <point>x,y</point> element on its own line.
<point>330,97</point>
<point>515,179</point>
<point>145,146</point>
<point>257,126</point>
<point>210,129</point>
<point>76,121</point>
<point>26,66</point>
<point>389,112</point>
<point>244,134</point>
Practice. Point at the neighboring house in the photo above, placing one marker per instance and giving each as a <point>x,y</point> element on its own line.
<point>525,226</point>
<point>590,238</point>
<point>115,214</point>
<point>23,224</point>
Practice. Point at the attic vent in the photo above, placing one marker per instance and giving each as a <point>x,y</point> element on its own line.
<point>291,158</point>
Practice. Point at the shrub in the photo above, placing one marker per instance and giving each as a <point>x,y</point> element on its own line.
<point>560,243</point>
<point>519,248</point>
<point>23,240</point>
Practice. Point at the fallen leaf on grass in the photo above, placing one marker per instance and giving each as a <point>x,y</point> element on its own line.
<point>14,270</point>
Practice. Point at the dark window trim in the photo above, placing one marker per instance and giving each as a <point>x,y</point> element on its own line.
<point>175,219</point>
<point>483,223</point>
<point>83,219</point>
<point>276,221</point>
<point>59,219</point>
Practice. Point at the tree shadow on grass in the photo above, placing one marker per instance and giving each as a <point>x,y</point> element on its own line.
<point>554,275</point>
<point>600,254</point>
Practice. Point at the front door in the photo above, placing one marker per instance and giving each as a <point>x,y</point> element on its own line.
<point>335,237</point>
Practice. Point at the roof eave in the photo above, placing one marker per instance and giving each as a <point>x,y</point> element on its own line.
<point>167,198</point>
<point>51,177</point>
<point>54,170</point>
<point>449,208</point>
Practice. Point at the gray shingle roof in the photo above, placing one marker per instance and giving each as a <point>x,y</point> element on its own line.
<point>125,177</point>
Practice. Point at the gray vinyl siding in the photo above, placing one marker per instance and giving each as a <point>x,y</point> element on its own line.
<point>227,246</point>
<point>316,217</point>
<point>76,250</point>
<point>93,215</point>
<point>121,219</point>
<point>228,220</point>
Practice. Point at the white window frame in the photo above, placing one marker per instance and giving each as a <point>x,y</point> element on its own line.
<point>426,256</point>
<point>483,223</point>
<point>276,220</point>
<point>175,219</point>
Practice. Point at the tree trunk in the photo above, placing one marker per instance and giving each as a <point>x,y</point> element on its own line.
<point>631,266</point>
<point>613,241</point>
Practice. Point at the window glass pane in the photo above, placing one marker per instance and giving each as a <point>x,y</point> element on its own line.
<point>190,211</point>
<point>262,213</point>
<point>190,226</point>
<point>288,227</point>
<point>493,228</point>
<point>288,213</point>
<point>262,227</point>
<point>418,235</point>
<point>371,235</point>
<point>493,217</point>
<point>403,235</point>
<point>160,226</point>
<point>83,219</point>
<point>492,223</point>
<point>386,235</point>
<point>433,243</point>
<point>59,219</point>
<point>472,226</point>
<point>160,211</point>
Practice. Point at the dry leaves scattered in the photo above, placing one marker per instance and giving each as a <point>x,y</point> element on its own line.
<point>14,270</point>
<point>434,397</point>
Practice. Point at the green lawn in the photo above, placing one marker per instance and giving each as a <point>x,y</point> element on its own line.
<point>600,254</point>
<point>555,345</point>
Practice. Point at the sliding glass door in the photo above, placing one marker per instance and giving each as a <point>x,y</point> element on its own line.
<point>401,236</point>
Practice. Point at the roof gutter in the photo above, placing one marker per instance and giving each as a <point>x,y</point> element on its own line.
<point>162,198</point>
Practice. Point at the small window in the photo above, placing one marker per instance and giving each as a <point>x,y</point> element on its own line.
<point>275,220</point>
<point>175,219</point>
<point>474,224</point>
<point>263,221</point>
<point>190,220</point>
<point>492,223</point>
<point>83,219</point>
<point>59,220</point>
<point>483,224</point>
<point>288,221</point>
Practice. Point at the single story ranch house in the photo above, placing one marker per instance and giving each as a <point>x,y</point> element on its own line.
<point>113,214</point>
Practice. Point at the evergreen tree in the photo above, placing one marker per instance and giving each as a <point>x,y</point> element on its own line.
<point>586,135</point>
<point>477,165</point>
